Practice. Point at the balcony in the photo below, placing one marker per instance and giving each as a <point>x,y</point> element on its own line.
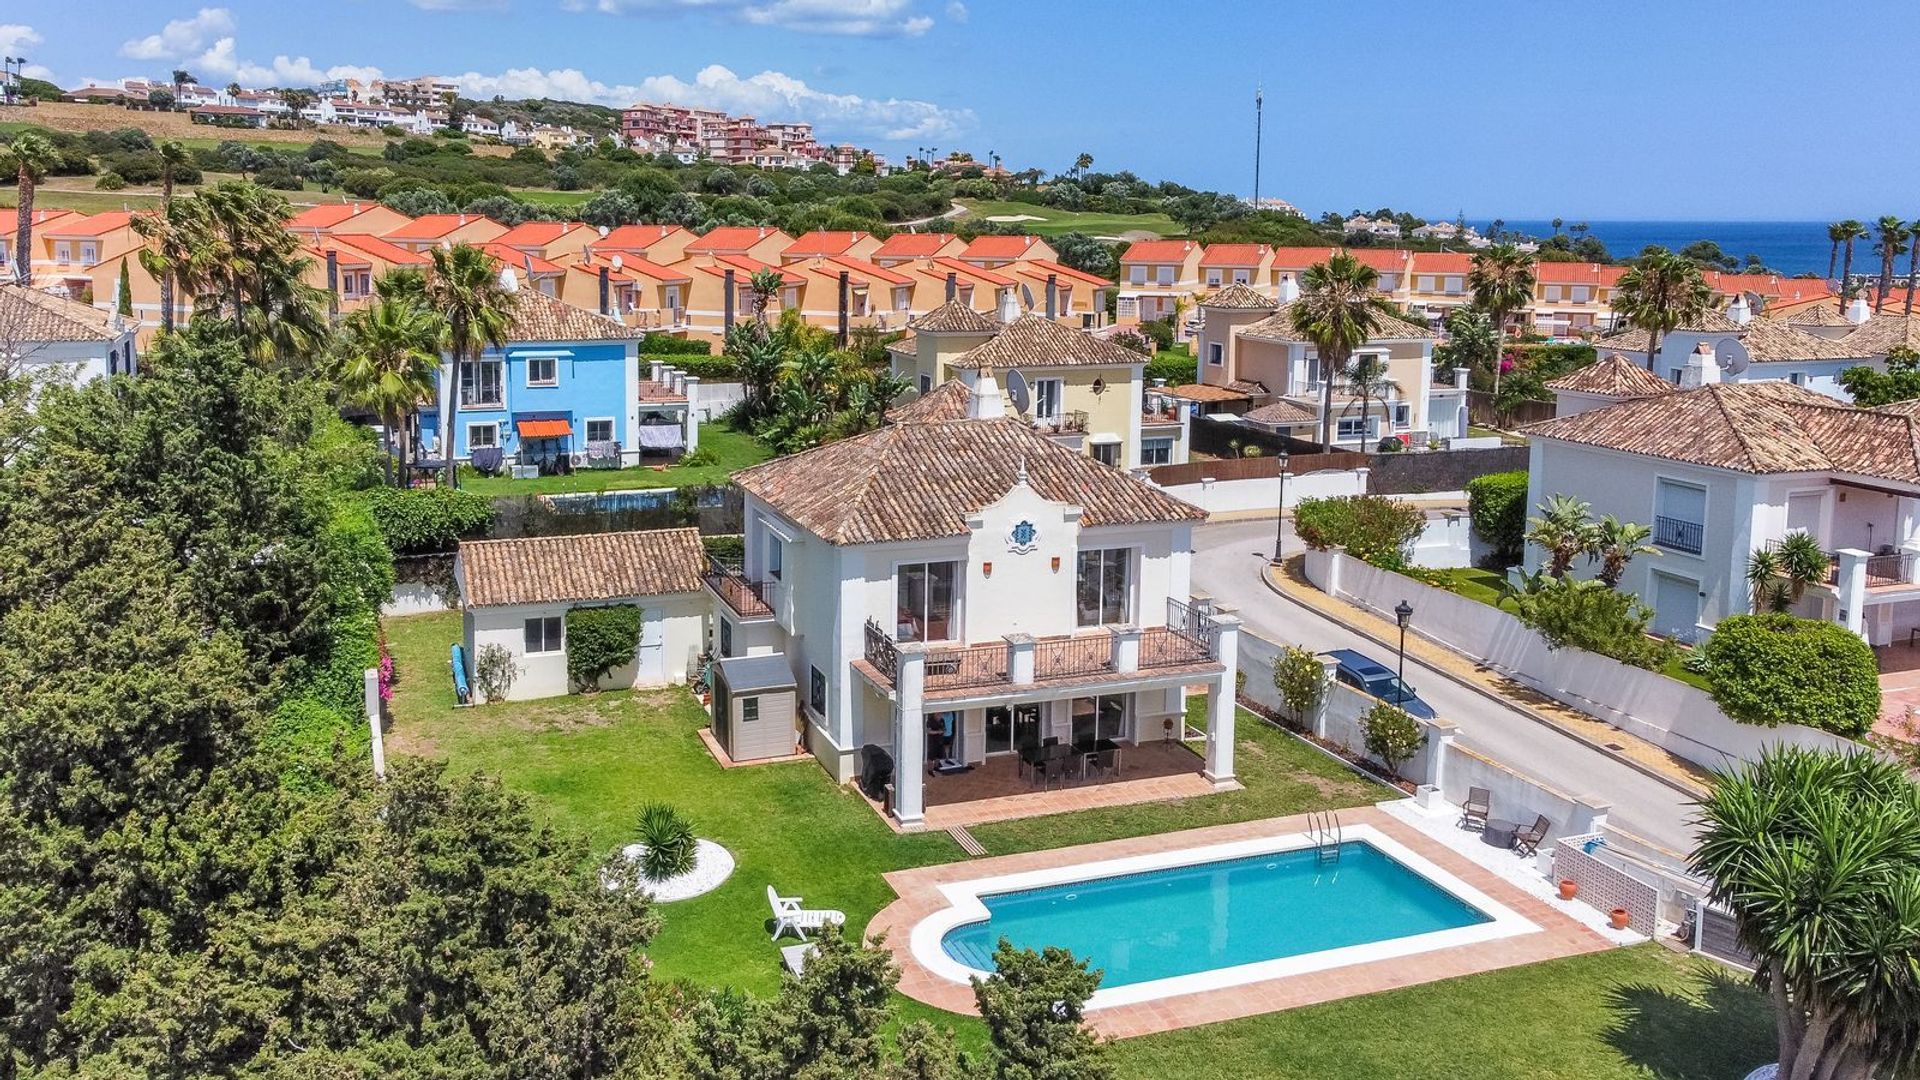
<point>1191,639</point>
<point>749,599</point>
<point>1883,571</point>
<point>1067,423</point>
<point>1675,534</point>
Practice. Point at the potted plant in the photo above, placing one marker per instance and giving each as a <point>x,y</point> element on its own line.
<point>1569,888</point>
<point>1620,918</point>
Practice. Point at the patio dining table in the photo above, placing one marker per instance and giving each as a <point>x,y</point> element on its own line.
<point>1089,750</point>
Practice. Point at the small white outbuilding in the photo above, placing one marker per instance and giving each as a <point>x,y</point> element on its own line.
<point>516,594</point>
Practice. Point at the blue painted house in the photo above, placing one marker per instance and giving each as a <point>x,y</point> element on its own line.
<point>566,392</point>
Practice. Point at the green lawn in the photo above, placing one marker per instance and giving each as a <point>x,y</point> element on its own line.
<point>1629,1014</point>
<point>552,198</point>
<point>735,450</point>
<point>1054,222</point>
<point>1484,586</point>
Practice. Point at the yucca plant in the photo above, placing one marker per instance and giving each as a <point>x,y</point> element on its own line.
<point>669,842</point>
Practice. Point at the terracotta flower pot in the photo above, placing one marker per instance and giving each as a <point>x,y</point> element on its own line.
<point>1569,888</point>
<point>1620,918</point>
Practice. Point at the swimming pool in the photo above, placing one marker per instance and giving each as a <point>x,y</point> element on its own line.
<point>1204,918</point>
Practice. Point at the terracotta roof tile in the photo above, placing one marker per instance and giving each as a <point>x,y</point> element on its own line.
<point>1240,297</point>
<point>32,315</point>
<point>954,317</point>
<point>822,242</point>
<point>1159,251</point>
<point>1811,313</point>
<point>1203,392</point>
<point>1766,340</point>
<point>951,400</point>
<point>1882,334</point>
<point>733,239</point>
<point>327,215</point>
<point>435,226</point>
<point>1613,375</point>
<point>1037,341</point>
<point>1284,411</point>
<point>1757,427</point>
<point>538,233</point>
<point>1038,269</point>
<point>921,481</point>
<point>1442,262</point>
<point>999,247</point>
<point>913,245</point>
<point>594,566</point>
<point>91,225</point>
<point>636,237</point>
<point>1235,254</point>
<point>374,246</point>
<point>539,317</point>
<point>1279,327</point>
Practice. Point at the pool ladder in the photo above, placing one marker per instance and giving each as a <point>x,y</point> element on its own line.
<point>1324,830</point>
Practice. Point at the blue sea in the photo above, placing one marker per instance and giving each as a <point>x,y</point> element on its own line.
<point>1791,247</point>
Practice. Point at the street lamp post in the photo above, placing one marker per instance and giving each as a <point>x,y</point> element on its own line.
<point>1403,612</point>
<point>1280,517</point>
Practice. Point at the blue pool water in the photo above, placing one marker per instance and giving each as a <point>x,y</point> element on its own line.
<point>1163,923</point>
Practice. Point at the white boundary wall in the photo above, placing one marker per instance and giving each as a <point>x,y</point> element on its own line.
<point>1261,493</point>
<point>1680,718</point>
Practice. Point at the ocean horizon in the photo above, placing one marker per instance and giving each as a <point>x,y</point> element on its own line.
<point>1791,247</point>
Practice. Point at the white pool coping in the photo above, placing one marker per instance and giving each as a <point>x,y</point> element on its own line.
<point>964,905</point>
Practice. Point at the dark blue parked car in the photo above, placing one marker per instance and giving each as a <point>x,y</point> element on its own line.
<point>1370,676</point>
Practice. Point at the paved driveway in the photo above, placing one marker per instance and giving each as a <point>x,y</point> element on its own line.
<point>1227,562</point>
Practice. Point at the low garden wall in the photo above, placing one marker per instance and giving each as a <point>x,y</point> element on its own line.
<point>1682,719</point>
<point>1257,493</point>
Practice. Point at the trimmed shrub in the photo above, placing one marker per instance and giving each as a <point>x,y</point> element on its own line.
<point>110,181</point>
<point>418,520</point>
<point>1570,613</point>
<point>494,671</point>
<point>1158,331</point>
<point>668,345</point>
<point>1369,527</point>
<point>1779,669</point>
<point>1177,369</point>
<point>1299,678</point>
<point>1392,736</point>
<point>1497,506</point>
<point>600,639</point>
<point>706,368</point>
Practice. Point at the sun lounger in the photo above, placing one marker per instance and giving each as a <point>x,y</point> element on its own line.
<point>789,915</point>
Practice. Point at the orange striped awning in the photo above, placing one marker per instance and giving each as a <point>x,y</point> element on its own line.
<point>543,429</point>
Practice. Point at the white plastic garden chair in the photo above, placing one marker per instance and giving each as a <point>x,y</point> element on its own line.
<point>789,915</point>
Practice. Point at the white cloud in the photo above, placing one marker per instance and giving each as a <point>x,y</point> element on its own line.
<point>181,38</point>
<point>770,95</point>
<point>16,38</point>
<point>300,71</point>
<point>861,18</point>
<point>218,62</point>
<point>956,11</point>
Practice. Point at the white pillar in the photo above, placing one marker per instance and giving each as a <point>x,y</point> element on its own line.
<point>1220,705</point>
<point>370,684</point>
<point>1020,648</point>
<point>693,413</point>
<point>1589,816</point>
<point>1126,648</point>
<point>1440,737</point>
<point>1851,588</point>
<point>1317,723</point>
<point>654,368</point>
<point>909,734</point>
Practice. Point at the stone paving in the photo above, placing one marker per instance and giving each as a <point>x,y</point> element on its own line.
<point>996,791</point>
<point>1559,935</point>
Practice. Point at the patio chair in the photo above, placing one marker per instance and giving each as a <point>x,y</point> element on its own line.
<point>1526,841</point>
<point>789,915</point>
<point>1473,812</point>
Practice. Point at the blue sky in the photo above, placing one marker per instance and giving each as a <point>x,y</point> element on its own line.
<point>1677,109</point>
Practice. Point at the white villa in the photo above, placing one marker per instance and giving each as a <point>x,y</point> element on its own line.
<point>46,333</point>
<point>956,591</point>
<point>1723,469</point>
<point>1748,349</point>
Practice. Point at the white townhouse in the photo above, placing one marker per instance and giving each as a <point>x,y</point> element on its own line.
<point>1745,348</point>
<point>961,595</point>
<point>50,336</point>
<point>1721,470</point>
<point>1607,381</point>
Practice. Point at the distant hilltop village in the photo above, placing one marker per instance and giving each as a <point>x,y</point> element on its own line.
<point>430,103</point>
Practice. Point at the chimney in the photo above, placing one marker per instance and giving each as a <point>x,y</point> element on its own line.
<point>1289,290</point>
<point>1857,311</point>
<point>986,403</point>
<point>333,283</point>
<point>1009,307</point>
<point>953,285</point>
<point>843,309</point>
<point>726,318</point>
<point>605,289</point>
<point>1702,369</point>
<point>1740,311</point>
<point>1053,296</point>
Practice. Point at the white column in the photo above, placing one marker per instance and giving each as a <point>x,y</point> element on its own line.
<point>1317,723</point>
<point>1020,648</point>
<point>630,437</point>
<point>693,413</point>
<point>1126,648</point>
<point>909,735</point>
<point>1589,816</point>
<point>1220,705</point>
<point>370,683</point>
<point>1440,737</point>
<point>1851,588</point>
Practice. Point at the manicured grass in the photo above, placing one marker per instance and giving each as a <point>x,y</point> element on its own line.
<point>1054,222</point>
<point>1627,1014</point>
<point>552,198</point>
<point>735,450</point>
<point>1484,586</point>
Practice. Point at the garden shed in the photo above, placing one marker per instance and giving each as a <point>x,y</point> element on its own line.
<point>755,707</point>
<point>516,594</point>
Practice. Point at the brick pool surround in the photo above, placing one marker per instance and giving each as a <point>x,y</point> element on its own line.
<point>1521,929</point>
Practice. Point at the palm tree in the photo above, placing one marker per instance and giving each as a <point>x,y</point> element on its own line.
<point>30,155</point>
<point>1913,266</point>
<point>390,363</point>
<point>465,291</point>
<point>1813,851</point>
<point>1081,164</point>
<point>1780,572</point>
<point>1338,311</point>
<point>1366,381</point>
<point>1763,577</point>
<point>172,156</point>
<point>1660,294</point>
<point>764,285</point>
<point>1850,231</point>
<point>1562,529</point>
<point>1836,233</point>
<point>1614,544</point>
<point>1890,245</point>
<point>181,77</point>
<point>1501,280</point>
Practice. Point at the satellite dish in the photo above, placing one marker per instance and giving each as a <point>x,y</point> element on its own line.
<point>617,262</point>
<point>1732,355</point>
<point>1026,296</point>
<point>1018,393</point>
<point>603,232</point>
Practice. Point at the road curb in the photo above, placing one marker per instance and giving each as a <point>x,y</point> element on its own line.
<point>1689,790</point>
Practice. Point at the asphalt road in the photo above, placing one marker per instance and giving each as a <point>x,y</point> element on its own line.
<point>1226,563</point>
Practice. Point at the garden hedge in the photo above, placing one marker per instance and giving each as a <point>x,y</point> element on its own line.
<point>1369,527</point>
<point>1780,669</point>
<point>419,520</point>
<point>1497,506</point>
<point>706,368</point>
<point>670,345</point>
